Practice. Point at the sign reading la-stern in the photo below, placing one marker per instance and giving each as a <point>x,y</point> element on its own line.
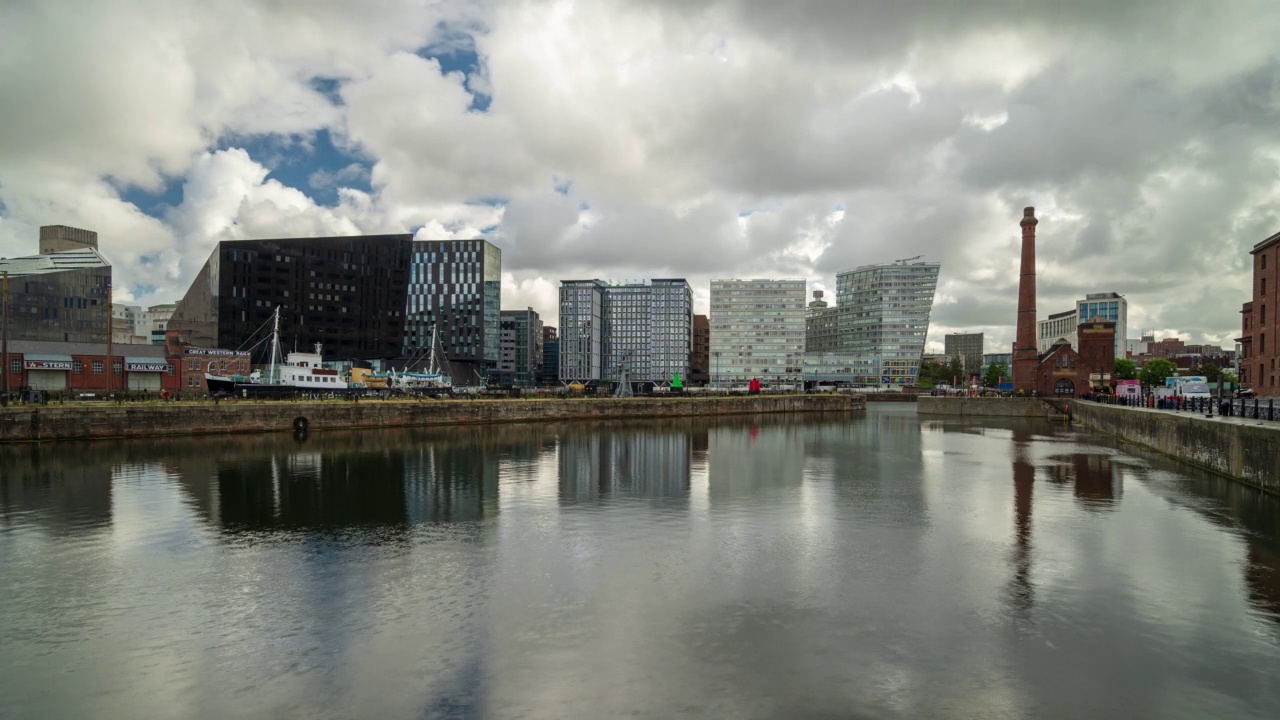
<point>46,364</point>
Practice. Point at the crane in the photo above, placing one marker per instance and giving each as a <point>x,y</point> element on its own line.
<point>904,261</point>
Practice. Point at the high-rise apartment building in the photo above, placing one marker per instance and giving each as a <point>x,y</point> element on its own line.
<point>62,294</point>
<point>757,331</point>
<point>519,349</point>
<point>550,356</point>
<point>646,326</point>
<point>875,334</point>
<point>1111,307</point>
<point>455,291</point>
<point>967,347</point>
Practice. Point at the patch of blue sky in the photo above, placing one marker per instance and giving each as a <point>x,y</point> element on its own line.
<point>456,52</point>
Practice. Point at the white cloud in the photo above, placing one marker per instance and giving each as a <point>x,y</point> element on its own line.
<point>704,138</point>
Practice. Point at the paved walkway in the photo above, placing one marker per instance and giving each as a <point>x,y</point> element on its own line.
<point>1231,419</point>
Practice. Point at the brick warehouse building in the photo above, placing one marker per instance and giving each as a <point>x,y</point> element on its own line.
<point>1259,326</point>
<point>86,367</point>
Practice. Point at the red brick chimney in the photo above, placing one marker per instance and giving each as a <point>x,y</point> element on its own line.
<point>1026,356</point>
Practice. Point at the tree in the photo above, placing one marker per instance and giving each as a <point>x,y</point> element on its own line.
<point>1156,370</point>
<point>1126,369</point>
<point>1230,378</point>
<point>995,372</point>
<point>956,371</point>
<point>1209,371</point>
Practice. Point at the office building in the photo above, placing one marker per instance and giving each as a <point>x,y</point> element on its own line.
<point>875,333</point>
<point>757,331</point>
<point>550,357</point>
<point>1111,307</point>
<point>63,294</point>
<point>967,347</point>
<point>1058,326</point>
<point>1005,359</point>
<point>519,349</point>
<point>137,325</point>
<point>646,325</point>
<point>346,293</point>
<point>455,288</point>
<point>372,297</point>
<point>700,359</point>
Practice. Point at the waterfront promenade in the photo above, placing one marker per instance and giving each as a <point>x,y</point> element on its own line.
<point>87,422</point>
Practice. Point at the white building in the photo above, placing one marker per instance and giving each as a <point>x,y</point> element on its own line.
<point>644,325</point>
<point>1107,306</point>
<point>757,331</point>
<point>135,325</point>
<point>1058,326</point>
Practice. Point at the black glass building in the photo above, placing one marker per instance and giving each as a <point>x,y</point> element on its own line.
<point>347,293</point>
<point>455,291</point>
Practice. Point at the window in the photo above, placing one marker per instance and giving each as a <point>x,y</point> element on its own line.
<point>15,366</point>
<point>168,369</point>
<point>97,367</point>
<point>1263,291</point>
<point>117,367</point>
<point>1264,261</point>
<point>76,366</point>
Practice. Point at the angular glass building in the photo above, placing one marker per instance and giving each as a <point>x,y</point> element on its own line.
<point>646,326</point>
<point>62,296</point>
<point>757,331</point>
<point>877,329</point>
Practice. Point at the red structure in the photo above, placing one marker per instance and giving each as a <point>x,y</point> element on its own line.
<point>1260,321</point>
<point>1026,356</point>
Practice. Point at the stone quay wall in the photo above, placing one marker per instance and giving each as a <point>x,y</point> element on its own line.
<point>85,422</point>
<point>1241,449</point>
<point>984,406</point>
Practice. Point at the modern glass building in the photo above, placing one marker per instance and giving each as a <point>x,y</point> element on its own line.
<point>877,328</point>
<point>757,331</point>
<point>645,325</point>
<point>1111,307</point>
<point>455,288</point>
<point>61,296</point>
<point>519,349</point>
<point>1058,326</point>
<point>347,293</point>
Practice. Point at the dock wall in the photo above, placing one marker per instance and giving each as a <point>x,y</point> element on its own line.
<point>983,406</point>
<point>84,422</point>
<point>1248,451</point>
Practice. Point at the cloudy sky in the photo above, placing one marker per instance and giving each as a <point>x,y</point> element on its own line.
<point>657,138</point>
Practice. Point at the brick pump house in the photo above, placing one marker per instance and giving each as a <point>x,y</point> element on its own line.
<point>1062,370</point>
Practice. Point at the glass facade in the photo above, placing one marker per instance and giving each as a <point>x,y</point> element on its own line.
<point>455,288</point>
<point>880,320</point>
<point>61,297</point>
<point>1111,307</point>
<point>519,349</point>
<point>646,326</point>
<point>346,293</point>
<point>757,331</point>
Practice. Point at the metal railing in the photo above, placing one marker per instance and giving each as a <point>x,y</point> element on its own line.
<point>1254,408</point>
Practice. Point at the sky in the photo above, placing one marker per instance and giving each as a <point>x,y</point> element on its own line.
<point>626,139</point>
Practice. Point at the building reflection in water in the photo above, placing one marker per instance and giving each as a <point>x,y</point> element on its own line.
<point>650,463</point>
<point>1021,588</point>
<point>58,491</point>
<point>1095,478</point>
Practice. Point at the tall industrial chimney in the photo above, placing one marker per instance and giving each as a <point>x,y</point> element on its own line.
<point>1026,355</point>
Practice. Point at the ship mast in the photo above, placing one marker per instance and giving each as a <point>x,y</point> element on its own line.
<point>275,343</point>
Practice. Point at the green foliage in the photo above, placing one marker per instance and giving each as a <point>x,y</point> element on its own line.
<point>1230,378</point>
<point>1210,371</point>
<point>1156,370</point>
<point>956,371</point>
<point>1126,369</point>
<point>993,374</point>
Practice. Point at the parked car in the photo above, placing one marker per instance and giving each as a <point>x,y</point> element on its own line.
<point>1244,393</point>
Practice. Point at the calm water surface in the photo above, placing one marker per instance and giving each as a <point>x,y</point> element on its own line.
<point>874,566</point>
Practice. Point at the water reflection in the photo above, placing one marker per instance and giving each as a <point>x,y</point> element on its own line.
<point>873,566</point>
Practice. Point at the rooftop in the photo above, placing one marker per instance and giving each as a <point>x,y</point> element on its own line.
<point>53,262</point>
